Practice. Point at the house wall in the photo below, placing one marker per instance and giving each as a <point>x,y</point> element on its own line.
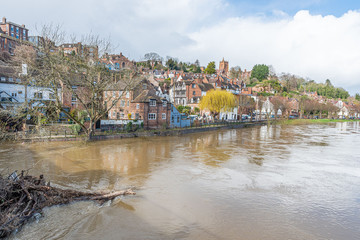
<point>68,101</point>
<point>138,110</point>
<point>193,93</point>
<point>22,93</point>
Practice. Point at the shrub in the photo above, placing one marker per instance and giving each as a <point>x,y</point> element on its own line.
<point>129,127</point>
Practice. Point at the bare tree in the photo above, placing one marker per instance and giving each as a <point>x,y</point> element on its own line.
<point>260,104</point>
<point>246,104</point>
<point>77,80</point>
<point>235,72</point>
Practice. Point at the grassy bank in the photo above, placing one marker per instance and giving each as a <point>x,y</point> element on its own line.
<point>313,121</point>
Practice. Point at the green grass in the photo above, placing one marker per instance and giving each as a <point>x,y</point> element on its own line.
<point>313,121</point>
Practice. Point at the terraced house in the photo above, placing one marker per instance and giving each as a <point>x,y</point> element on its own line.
<point>12,35</point>
<point>141,102</point>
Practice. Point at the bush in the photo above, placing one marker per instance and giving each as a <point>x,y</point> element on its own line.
<point>129,127</point>
<point>75,128</point>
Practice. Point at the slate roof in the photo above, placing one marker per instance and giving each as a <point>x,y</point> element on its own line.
<point>205,87</point>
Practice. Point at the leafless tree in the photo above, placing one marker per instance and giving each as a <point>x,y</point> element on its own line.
<point>79,77</point>
<point>246,104</point>
<point>235,72</point>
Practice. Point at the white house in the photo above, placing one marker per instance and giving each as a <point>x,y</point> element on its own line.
<point>14,93</point>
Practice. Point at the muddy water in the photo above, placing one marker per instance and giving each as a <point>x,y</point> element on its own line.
<point>277,182</point>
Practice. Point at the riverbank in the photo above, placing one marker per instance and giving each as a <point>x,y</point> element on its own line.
<point>143,133</point>
<point>313,121</point>
<point>175,132</point>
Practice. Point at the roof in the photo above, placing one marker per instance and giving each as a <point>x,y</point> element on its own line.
<point>144,92</point>
<point>15,24</point>
<point>146,96</point>
<point>205,87</point>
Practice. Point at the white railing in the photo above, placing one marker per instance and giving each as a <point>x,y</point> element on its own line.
<point>119,122</point>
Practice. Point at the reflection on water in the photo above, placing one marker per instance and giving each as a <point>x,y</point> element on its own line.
<point>276,182</point>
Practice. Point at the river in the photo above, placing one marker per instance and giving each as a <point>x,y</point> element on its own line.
<point>276,182</point>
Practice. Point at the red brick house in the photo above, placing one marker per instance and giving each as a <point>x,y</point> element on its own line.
<point>117,61</point>
<point>140,102</point>
<point>12,35</point>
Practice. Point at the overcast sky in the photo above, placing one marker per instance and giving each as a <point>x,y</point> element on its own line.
<point>318,39</point>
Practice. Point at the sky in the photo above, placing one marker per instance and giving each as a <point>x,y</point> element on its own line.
<point>314,39</point>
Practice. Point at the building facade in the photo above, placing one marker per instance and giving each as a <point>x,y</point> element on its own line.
<point>12,35</point>
<point>224,67</point>
<point>139,103</point>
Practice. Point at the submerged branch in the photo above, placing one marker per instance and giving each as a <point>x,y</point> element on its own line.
<point>23,197</point>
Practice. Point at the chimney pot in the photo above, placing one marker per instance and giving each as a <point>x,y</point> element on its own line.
<point>4,20</point>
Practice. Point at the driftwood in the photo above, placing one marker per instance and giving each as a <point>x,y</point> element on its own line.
<point>23,197</point>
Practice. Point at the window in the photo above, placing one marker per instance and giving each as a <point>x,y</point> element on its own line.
<point>12,28</point>
<point>117,115</point>
<point>163,116</point>
<point>144,86</point>
<point>11,80</point>
<point>3,79</point>
<point>51,96</point>
<point>164,103</point>
<point>122,115</point>
<point>152,103</point>
<point>128,103</point>
<point>137,106</point>
<point>13,94</point>
<point>194,93</point>
<point>38,95</point>
<point>114,114</point>
<point>114,94</point>
<point>152,116</point>
<point>19,92</point>
<point>194,85</point>
<point>136,115</point>
<point>127,94</point>
<point>122,103</point>
<point>105,94</point>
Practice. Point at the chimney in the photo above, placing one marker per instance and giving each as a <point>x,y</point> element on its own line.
<point>23,26</point>
<point>4,20</point>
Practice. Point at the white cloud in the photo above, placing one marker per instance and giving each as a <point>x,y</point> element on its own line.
<point>314,46</point>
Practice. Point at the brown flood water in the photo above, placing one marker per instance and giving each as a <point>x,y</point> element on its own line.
<point>277,182</point>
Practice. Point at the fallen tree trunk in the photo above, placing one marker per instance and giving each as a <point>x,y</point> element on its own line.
<point>23,197</point>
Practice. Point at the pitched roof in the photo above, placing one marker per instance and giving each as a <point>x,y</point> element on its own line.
<point>205,87</point>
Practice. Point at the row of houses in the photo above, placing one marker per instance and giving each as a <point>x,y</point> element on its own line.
<point>152,100</point>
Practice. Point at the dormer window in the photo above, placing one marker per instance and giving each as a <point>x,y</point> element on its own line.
<point>152,103</point>
<point>164,103</point>
<point>144,86</point>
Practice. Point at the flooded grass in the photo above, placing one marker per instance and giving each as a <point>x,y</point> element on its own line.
<point>313,121</point>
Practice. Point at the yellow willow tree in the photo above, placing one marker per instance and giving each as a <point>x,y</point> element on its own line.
<point>218,100</point>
